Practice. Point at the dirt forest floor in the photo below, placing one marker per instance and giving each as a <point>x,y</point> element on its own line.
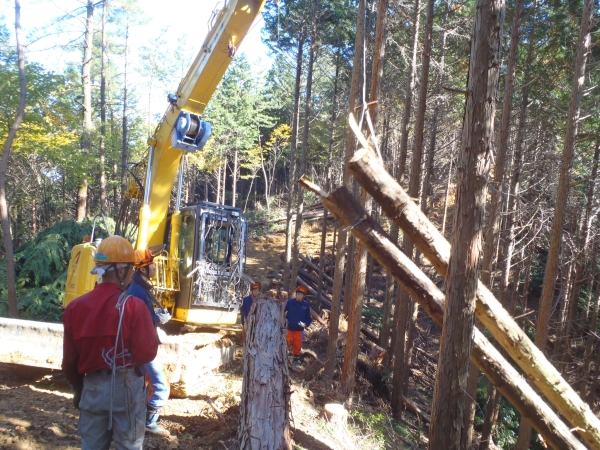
<point>36,410</point>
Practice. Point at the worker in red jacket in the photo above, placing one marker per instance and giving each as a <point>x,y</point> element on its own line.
<point>297,312</point>
<point>109,336</point>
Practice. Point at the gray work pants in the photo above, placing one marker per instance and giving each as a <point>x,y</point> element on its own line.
<point>128,411</point>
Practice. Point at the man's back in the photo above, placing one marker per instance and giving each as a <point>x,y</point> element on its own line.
<point>91,324</point>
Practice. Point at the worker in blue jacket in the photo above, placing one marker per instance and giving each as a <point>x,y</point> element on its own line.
<point>247,304</point>
<point>297,311</point>
<point>140,287</point>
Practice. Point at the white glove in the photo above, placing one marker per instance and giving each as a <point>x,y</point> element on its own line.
<point>302,324</point>
<point>164,317</point>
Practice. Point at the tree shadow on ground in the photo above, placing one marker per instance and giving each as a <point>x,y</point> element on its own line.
<point>309,442</point>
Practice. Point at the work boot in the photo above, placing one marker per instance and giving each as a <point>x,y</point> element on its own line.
<point>296,363</point>
<point>153,427</point>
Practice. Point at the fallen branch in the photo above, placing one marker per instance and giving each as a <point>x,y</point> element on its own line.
<point>397,205</point>
<point>317,317</point>
<point>349,213</point>
<point>218,413</point>
<point>424,353</point>
<point>416,410</point>
<point>370,335</point>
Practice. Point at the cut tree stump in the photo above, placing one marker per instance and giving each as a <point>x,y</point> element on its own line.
<point>265,405</point>
<point>336,415</point>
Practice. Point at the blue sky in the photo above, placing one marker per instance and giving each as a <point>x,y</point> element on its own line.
<point>178,17</point>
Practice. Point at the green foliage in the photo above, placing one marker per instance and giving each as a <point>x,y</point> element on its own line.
<point>41,267</point>
<point>373,317</point>
<point>236,113</point>
<point>261,221</point>
<point>376,422</point>
<point>507,426</point>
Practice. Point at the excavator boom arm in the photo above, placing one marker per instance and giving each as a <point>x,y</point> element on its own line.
<point>230,26</point>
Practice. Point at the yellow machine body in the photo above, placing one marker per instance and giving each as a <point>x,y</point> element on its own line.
<point>79,279</point>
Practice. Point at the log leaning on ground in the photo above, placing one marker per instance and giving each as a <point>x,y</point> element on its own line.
<point>265,405</point>
<point>397,205</point>
<point>348,212</point>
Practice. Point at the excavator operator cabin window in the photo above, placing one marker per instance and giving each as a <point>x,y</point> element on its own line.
<point>218,242</point>
<point>186,244</point>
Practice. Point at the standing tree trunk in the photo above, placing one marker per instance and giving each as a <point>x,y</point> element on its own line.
<point>224,182</point>
<point>563,190</point>
<point>449,181</point>
<point>398,337</point>
<point>584,256</point>
<point>103,205</point>
<point>360,255</point>
<point>125,150</point>
<point>408,307</point>
<point>334,115</point>
<point>461,281</point>
<point>410,87</point>
<point>508,242</point>
<point>265,406</point>
<point>234,178</point>
<point>491,237</point>
<point>589,347</point>
<point>86,83</point>
<point>11,286</point>
<point>302,165</point>
<point>287,266</point>
<point>268,180</point>
<point>429,167</point>
<point>341,262</point>
<point>390,284</point>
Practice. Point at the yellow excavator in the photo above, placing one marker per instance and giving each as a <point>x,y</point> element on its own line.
<point>200,274</point>
<point>200,270</point>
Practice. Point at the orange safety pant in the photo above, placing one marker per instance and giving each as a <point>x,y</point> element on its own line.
<point>294,339</point>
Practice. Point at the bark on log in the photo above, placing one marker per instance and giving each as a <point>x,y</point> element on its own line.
<point>397,205</point>
<point>314,280</point>
<point>348,212</point>
<point>265,405</point>
<point>314,267</point>
<point>416,410</point>
<point>317,317</point>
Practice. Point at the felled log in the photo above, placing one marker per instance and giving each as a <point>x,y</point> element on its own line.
<point>265,405</point>
<point>314,267</point>
<point>316,317</point>
<point>413,408</point>
<point>314,280</point>
<point>312,291</point>
<point>349,213</point>
<point>397,205</point>
<point>370,335</point>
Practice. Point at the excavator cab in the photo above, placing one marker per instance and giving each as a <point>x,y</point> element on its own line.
<point>211,251</point>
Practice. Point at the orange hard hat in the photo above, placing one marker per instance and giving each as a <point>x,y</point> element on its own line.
<point>115,249</point>
<point>302,289</point>
<point>143,258</point>
<point>255,286</point>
